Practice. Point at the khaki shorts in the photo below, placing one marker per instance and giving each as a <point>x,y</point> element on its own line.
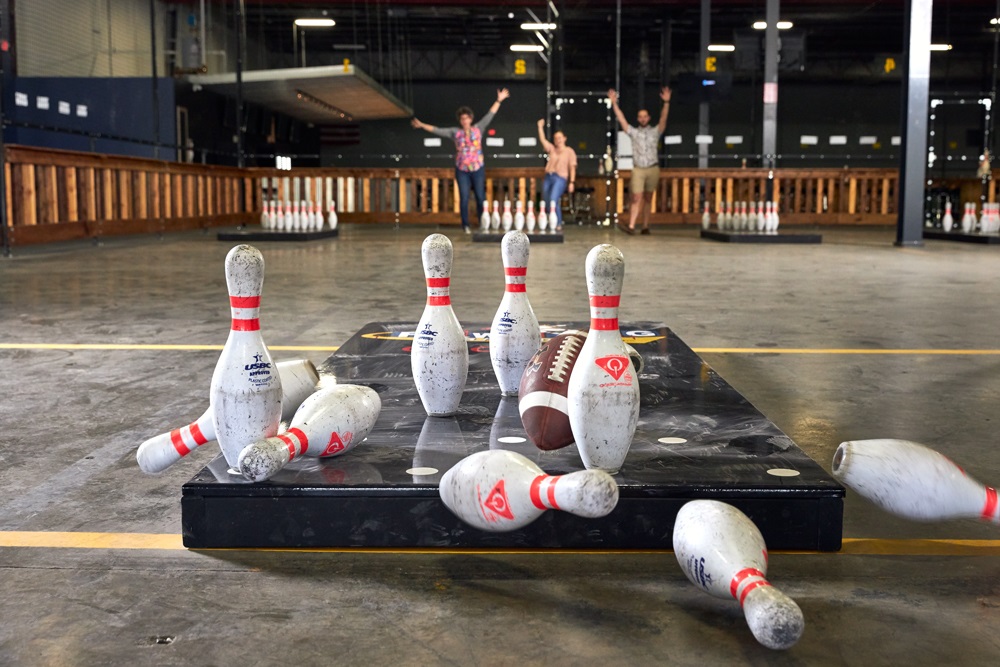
<point>644,179</point>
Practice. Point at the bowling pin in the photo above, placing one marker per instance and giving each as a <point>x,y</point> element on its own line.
<point>495,218</point>
<point>947,221</point>
<point>775,218</point>
<point>913,481</point>
<point>744,218</point>
<point>752,217</point>
<point>529,220</point>
<point>514,334</point>
<point>554,213</point>
<point>603,391</point>
<point>279,218</point>
<point>439,356</point>
<point>331,218</point>
<point>245,394</point>
<point>761,217</point>
<point>519,216</point>
<point>499,490</point>
<point>263,214</point>
<point>328,423</point>
<point>484,220</point>
<point>706,217</point>
<point>288,216</point>
<point>722,552</point>
<point>964,222</point>
<point>296,217</point>
<point>507,220</point>
<point>728,215</point>
<point>543,220</point>
<point>720,218</point>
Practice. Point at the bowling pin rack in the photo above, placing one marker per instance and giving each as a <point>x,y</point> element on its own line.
<point>697,438</point>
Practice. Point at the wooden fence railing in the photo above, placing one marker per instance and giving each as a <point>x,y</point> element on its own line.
<point>60,195</point>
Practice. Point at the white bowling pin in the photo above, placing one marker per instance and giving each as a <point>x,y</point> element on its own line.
<point>913,481</point>
<point>330,422</point>
<point>722,552</point>
<point>484,220</point>
<point>727,215</point>
<point>752,217</point>
<point>603,390</point>
<point>514,334</point>
<point>553,215</point>
<point>947,221</point>
<point>279,218</point>
<point>495,218</point>
<point>706,217</point>
<point>507,219</point>
<point>519,216</point>
<point>720,217</point>
<point>964,222</point>
<point>744,218</point>
<point>543,220</point>
<point>775,218</point>
<point>439,356</point>
<point>296,217</point>
<point>499,490</point>
<point>246,389</point>
<point>288,216</point>
<point>298,382</point>
<point>331,218</point>
<point>761,217</point>
<point>263,214</point>
<point>530,220</point>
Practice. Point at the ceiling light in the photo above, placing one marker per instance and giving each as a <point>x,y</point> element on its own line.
<point>782,25</point>
<point>995,21</point>
<point>315,23</point>
<point>538,26</point>
<point>721,47</point>
<point>940,47</point>
<point>526,47</point>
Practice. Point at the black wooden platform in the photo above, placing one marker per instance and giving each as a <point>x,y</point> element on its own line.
<point>534,237</point>
<point>961,237</point>
<point>697,438</point>
<point>760,237</point>
<point>256,235</point>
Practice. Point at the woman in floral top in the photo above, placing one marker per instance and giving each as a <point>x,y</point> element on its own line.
<point>469,163</point>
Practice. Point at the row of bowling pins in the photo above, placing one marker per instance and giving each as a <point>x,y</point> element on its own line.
<point>518,219</point>
<point>306,216</point>
<point>741,216</point>
<point>988,221</point>
<point>718,547</point>
<point>603,390</point>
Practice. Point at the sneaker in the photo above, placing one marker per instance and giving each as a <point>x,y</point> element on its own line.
<point>467,230</point>
<point>625,228</point>
<point>645,231</point>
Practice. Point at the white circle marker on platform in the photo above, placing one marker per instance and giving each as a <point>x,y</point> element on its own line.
<point>422,471</point>
<point>783,472</point>
<point>511,439</point>
<point>672,441</point>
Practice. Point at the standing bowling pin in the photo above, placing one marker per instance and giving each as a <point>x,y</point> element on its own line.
<point>722,552</point>
<point>529,220</point>
<point>263,214</point>
<point>913,481</point>
<point>761,217</point>
<point>554,213</point>
<point>603,390</point>
<point>752,217</point>
<point>499,490</point>
<point>706,217</point>
<point>720,217</point>
<point>519,216</point>
<point>507,220</point>
<point>495,218</point>
<point>947,222</point>
<point>964,224</point>
<point>246,389</point>
<point>328,423</point>
<point>288,216</point>
<point>543,220</point>
<point>331,219</point>
<point>775,218</point>
<point>514,334</point>
<point>439,357</point>
<point>484,220</point>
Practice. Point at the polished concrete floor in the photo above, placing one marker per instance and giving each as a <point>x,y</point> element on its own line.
<point>850,339</point>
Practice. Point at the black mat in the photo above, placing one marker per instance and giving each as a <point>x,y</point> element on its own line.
<point>258,235</point>
<point>961,237</point>
<point>534,237</point>
<point>758,237</point>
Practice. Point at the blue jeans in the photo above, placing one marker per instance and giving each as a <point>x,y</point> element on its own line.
<point>553,188</point>
<point>476,180</point>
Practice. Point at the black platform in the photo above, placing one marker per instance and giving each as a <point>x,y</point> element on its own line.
<point>961,237</point>
<point>534,237</point>
<point>717,445</point>
<point>760,237</point>
<point>258,234</point>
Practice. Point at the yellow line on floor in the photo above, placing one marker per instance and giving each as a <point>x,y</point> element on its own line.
<point>144,346</point>
<point>172,542</point>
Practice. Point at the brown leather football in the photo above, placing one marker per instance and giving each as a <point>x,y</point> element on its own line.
<point>542,393</point>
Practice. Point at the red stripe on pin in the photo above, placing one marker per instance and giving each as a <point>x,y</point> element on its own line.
<point>244,301</point>
<point>535,492</point>
<point>517,287</point>
<point>990,508</point>
<point>515,270</point>
<point>552,493</point>
<point>288,442</point>
<point>751,586</point>
<point>177,440</point>
<point>303,440</point>
<point>199,437</point>
<point>604,323</point>
<point>738,578</point>
<point>246,325</point>
<point>606,301</point>
<point>438,282</point>
<point>439,301</point>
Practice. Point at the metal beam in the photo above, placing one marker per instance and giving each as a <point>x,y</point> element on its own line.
<point>915,100</point>
<point>6,97</point>
<point>705,40</point>
<point>769,134</point>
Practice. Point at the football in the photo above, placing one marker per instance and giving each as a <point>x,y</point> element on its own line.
<point>542,393</point>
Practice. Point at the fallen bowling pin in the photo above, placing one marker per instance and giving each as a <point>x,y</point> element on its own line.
<point>328,423</point>
<point>499,490</point>
<point>913,481</point>
<point>722,552</point>
<point>298,381</point>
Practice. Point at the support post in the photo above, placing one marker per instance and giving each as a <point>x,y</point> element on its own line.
<point>156,88</point>
<point>769,132</point>
<point>7,74</point>
<point>916,83</point>
<point>240,25</point>
<point>705,39</point>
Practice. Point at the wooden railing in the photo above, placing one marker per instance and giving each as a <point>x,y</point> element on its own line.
<point>60,195</point>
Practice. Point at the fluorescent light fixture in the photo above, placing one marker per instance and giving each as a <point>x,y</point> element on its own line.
<point>315,23</point>
<point>526,47</point>
<point>538,26</point>
<point>782,25</point>
<point>995,21</point>
<point>940,47</point>
<point>721,47</point>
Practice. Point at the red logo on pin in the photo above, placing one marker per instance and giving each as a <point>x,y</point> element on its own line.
<point>615,366</point>
<point>337,444</point>
<point>496,503</point>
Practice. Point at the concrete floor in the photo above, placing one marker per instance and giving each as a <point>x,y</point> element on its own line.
<point>73,417</point>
